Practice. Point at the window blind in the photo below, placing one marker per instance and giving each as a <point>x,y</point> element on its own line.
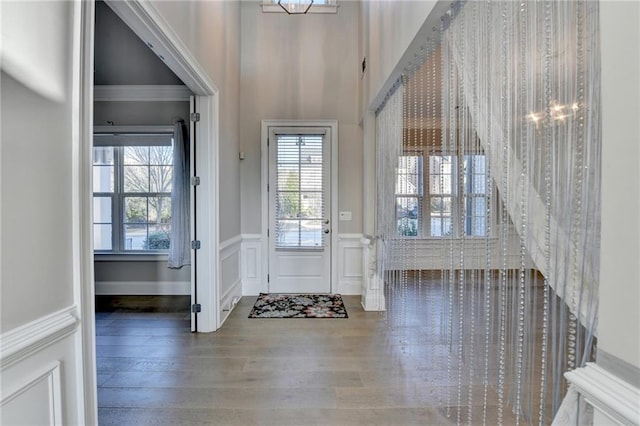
<point>300,203</point>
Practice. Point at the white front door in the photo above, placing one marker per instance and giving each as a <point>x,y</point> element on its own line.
<point>299,210</point>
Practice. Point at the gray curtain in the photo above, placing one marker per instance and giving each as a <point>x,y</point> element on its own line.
<point>180,247</point>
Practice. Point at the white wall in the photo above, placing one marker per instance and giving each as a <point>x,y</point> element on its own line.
<point>301,67</point>
<point>41,322</point>
<point>121,57</point>
<point>619,313</point>
<point>36,205</point>
<point>392,26</point>
<point>211,31</point>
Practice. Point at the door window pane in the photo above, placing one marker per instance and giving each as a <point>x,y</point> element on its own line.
<point>299,200</point>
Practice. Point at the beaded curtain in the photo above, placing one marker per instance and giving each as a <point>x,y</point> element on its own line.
<point>506,288</point>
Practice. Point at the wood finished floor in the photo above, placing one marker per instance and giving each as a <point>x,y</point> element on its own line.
<point>355,371</point>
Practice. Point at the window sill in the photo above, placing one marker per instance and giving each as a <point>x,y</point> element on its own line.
<point>130,257</point>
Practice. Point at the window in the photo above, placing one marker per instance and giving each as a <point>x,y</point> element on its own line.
<point>441,192</point>
<point>456,199</point>
<point>475,195</point>
<point>132,177</point>
<point>409,194</point>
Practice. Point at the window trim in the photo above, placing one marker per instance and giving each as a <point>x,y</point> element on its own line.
<point>118,137</point>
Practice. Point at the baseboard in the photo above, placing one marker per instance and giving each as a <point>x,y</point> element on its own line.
<point>151,288</point>
<point>374,302</point>
<point>230,300</point>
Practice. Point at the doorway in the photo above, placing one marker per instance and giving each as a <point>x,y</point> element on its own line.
<point>298,171</point>
<point>144,21</point>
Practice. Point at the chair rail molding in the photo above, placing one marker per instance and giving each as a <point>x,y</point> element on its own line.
<point>28,339</point>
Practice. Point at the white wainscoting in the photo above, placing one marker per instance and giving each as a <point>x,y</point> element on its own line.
<point>230,281</point>
<point>349,260</point>
<point>253,282</point>
<point>41,380</point>
<point>349,264</point>
<point>35,401</point>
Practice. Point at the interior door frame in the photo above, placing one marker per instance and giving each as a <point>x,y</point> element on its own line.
<point>148,24</point>
<point>332,125</point>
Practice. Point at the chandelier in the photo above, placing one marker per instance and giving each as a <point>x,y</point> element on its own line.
<point>295,7</point>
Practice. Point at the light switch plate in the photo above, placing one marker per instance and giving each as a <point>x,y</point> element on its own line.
<point>345,215</point>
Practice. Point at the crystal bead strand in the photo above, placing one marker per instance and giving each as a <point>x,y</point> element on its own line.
<point>432,289</point>
<point>472,37</point>
<point>592,161</point>
<point>548,146</point>
<point>577,190</point>
<point>418,302</point>
<point>484,41</point>
<point>504,91</point>
<point>524,190</point>
<point>448,88</point>
<point>421,304</point>
<point>461,123</point>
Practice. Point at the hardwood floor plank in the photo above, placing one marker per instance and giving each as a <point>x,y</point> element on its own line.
<point>259,398</point>
<point>216,378</point>
<point>364,370</point>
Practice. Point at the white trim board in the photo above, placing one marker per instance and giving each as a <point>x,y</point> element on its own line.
<point>148,24</point>
<point>146,93</point>
<point>607,393</point>
<point>23,341</point>
<point>350,275</point>
<point>104,288</point>
<point>230,271</point>
<point>29,388</point>
<point>251,263</point>
<point>348,252</point>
